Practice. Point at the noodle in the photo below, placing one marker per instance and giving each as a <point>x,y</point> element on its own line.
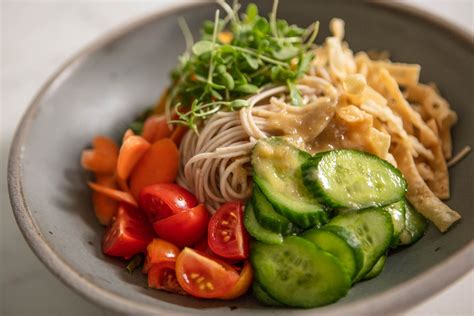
<point>348,102</point>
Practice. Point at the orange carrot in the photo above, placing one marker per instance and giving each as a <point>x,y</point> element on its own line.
<point>98,162</point>
<point>127,134</point>
<point>102,158</point>
<point>158,165</point>
<point>106,145</point>
<point>178,134</point>
<point>155,128</point>
<point>114,194</point>
<point>132,150</point>
<point>105,207</point>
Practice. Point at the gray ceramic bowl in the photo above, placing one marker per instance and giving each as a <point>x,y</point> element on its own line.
<point>105,85</point>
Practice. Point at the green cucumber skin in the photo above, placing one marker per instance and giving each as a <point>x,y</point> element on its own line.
<point>353,242</point>
<point>397,210</point>
<point>325,282</point>
<point>415,226</point>
<point>256,231</point>
<point>304,215</point>
<point>263,297</point>
<point>320,238</point>
<point>376,269</point>
<point>320,193</point>
<point>267,217</point>
<point>304,211</point>
<point>372,253</point>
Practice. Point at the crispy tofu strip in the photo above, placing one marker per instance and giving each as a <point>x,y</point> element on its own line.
<point>420,195</point>
<point>404,74</point>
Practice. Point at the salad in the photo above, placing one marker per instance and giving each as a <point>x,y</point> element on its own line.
<point>274,165</point>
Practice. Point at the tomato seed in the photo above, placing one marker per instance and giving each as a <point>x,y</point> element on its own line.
<point>200,279</point>
<point>209,286</point>
<point>226,238</point>
<point>194,275</point>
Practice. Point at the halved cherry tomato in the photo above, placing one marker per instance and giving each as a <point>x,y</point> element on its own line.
<point>201,276</point>
<point>227,236</point>
<point>184,228</point>
<point>162,276</point>
<point>128,234</point>
<point>242,286</point>
<point>165,199</point>
<point>203,246</point>
<point>159,250</point>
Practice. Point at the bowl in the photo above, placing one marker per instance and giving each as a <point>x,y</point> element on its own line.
<point>108,83</point>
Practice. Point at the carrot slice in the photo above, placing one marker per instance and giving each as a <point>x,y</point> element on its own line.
<point>155,128</point>
<point>132,150</point>
<point>102,158</point>
<point>104,207</point>
<point>114,194</point>
<point>98,162</point>
<point>178,134</point>
<point>158,165</point>
<point>128,133</point>
<point>106,145</point>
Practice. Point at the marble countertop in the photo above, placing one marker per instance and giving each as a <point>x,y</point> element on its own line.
<point>37,37</point>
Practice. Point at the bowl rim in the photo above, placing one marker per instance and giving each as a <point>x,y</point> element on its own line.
<point>396,299</point>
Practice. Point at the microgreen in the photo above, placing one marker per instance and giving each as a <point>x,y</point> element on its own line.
<point>237,56</point>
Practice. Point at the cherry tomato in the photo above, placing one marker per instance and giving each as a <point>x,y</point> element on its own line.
<point>162,276</point>
<point>165,199</point>
<point>158,251</point>
<point>201,276</point>
<point>128,234</point>
<point>242,286</point>
<point>184,228</point>
<point>203,246</point>
<point>227,236</point>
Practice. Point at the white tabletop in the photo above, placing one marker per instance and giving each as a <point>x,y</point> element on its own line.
<point>37,37</point>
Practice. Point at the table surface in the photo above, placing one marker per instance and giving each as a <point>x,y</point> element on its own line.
<point>37,37</point>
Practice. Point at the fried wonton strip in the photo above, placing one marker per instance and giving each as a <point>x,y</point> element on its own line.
<point>440,182</point>
<point>403,108</point>
<point>438,108</point>
<point>419,194</point>
<point>404,74</point>
<point>425,171</point>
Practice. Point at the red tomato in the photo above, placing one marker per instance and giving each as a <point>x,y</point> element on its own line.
<point>158,251</point>
<point>204,277</point>
<point>184,228</point>
<point>243,285</point>
<point>165,199</point>
<point>162,276</point>
<point>227,236</point>
<point>202,246</point>
<point>128,234</point>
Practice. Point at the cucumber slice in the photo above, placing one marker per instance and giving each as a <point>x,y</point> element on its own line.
<point>256,231</point>
<point>277,172</point>
<point>397,211</point>
<point>263,297</point>
<point>338,247</point>
<point>376,269</point>
<point>299,274</point>
<point>353,179</point>
<point>415,226</point>
<point>372,228</point>
<point>267,216</point>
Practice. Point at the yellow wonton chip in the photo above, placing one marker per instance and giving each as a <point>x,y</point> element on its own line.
<point>420,195</point>
<point>440,182</point>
